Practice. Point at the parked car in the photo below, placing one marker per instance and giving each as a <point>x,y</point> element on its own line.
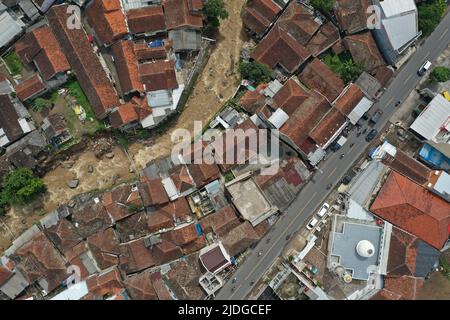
<point>346,180</point>
<point>371,135</point>
<point>312,224</point>
<point>323,210</point>
<point>376,116</point>
<point>365,116</point>
<point>424,68</point>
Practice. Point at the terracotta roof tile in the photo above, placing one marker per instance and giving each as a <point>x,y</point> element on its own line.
<point>364,50</point>
<point>403,288</point>
<point>240,238</point>
<point>327,36</point>
<point>279,48</point>
<point>181,236</point>
<point>152,192</point>
<point>318,76</point>
<point>84,62</point>
<point>352,14</point>
<point>349,99</point>
<point>30,87</point>
<point>258,14</point>
<point>414,209</point>
<point>220,222</point>
<point>107,19</point>
<point>105,248</point>
<point>137,109</point>
<point>202,174</point>
<point>77,257</point>
<point>132,227</point>
<point>144,53</point>
<point>159,75</point>
<point>91,217</point>
<point>253,101</point>
<point>408,167</point>
<point>127,66</point>
<point>135,257</point>
<point>160,288</point>
<point>158,220</point>
<point>148,20</point>
<point>118,202</point>
<point>181,178</point>
<point>63,234</point>
<point>166,251</point>
<point>140,287</point>
<point>328,127</point>
<point>178,15</point>
<point>290,97</point>
<point>106,284</point>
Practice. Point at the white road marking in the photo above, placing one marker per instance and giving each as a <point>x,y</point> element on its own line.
<point>443,34</point>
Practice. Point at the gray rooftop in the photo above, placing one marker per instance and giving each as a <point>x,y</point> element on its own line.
<point>344,246</point>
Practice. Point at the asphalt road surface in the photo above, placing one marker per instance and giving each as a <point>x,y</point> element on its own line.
<point>333,170</point>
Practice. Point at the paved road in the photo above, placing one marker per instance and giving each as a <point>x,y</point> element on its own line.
<point>333,170</point>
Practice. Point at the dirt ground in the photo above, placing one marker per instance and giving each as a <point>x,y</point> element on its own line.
<point>214,86</point>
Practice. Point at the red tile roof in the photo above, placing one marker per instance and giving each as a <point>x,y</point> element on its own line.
<point>328,127</point>
<point>400,288</point>
<point>327,36</point>
<point>258,14</point>
<point>38,259</point>
<point>166,251</point>
<point>30,87</point>
<point>177,210</point>
<point>118,202</point>
<point>159,75</point>
<point>105,248</point>
<point>364,50</point>
<point>158,220</point>
<point>84,62</point>
<point>144,53</point>
<point>106,284</point>
<point>181,178</point>
<point>240,238</point>
<point>414,209</point>
<point>318,76</point>
<point>135,257</point>
<point>41,46</point>
<point>152,192</point>
<point>137,109</point>
<point>349,99</point>
<point>290,97</point>
<point>220,222</point>
<point>253,101</point>
<point>140,287</point>
<point>91,218</point>
<point>148,20</point>
<point>279,48</point>
<point>181,236</point>
<point>352,14</point>
<point>76,257</point>
<point>63,234</point>
<point>180,15</point>
<point>107,19</point>
<point>384,75</point>
<point>127,66</point>
<point>202,174</point>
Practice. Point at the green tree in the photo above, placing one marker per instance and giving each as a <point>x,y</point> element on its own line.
<point>350,70</point>
<point>215,11</point>
<point>440,74</point>
<point>255,72</point>
<point>41,103</point>
<point>21,187</point>
<point>430,14</point>
<point>323,5</point>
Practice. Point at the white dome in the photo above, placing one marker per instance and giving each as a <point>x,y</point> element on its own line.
<point>365,249</point>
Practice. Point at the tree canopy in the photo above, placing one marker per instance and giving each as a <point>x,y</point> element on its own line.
<point>430,14</point>
<point>255,72</point>
<point>440,74</point>
<point>215,11</point>
<point>21,187</point>
<point>323,5</point>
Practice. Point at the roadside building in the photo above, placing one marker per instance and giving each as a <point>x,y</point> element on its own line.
<point>214,258</point>
<point>364,50</point>
<point>12,28</point>
<point>352,15</point>
<point>146,21</point>
<point>31,88</point>
<point>259,15</point>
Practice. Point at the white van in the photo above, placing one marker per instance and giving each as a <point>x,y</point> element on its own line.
<point>424,68</point>
<point>312,224</point>
<point>323,210</point>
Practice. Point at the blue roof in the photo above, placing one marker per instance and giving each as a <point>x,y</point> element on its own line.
<point>434,157</point>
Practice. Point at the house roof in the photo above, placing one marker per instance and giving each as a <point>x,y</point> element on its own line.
<point>179,14</point>
<point>183,279</point>
<point>105,248</point>
<point>107,19</point>
<point>38,259</point>
<point>148,19</point>
<point>118,201</point>
<point>127,66</point>
<point>30,87</point>
<point>134,110</point>
<point>202,174</point>
<point>9,121</point>
<point>158,220</point>
<point>177,210</point>
<point>90,217</point>
<point>152,192</point>
<point>41,46</point>
<point>279,48</point>
<point>160,288</point>
<point>240,238</point>
<point>317,75</point>
<point>253,101</point>
<point>159,75</point>
<point>327,36</point>
<point>166,251</point>
<point>347,101</point>
<point>410,256</point>
<point>399,288</point>
<point>258,14</point>
<point>80,256</point>
<point>132,227</point>
<point>328,127</point>
<point>414,209</point>
<point>143,52</point>
<point>290,97</point>
<point>213,259</point>
<point>181,178</point>
<point>135,256</point>
<point>407,166</point>
<point>352,15</point>
<point>63,234</point>
<point>140,287</point>
<point>384,75</point>
<point>181,236</point>
<point>108,283</point>
<point>220,222</point>
<point>84,62</point>
<point>364,50</point>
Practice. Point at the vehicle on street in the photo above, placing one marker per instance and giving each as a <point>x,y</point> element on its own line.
<point>234,280</point>
<point>329,186</point>
<point>288,237</point>
<point>371,135</point>
<point>365,116</point>
<point>342,156</point>
<point>376,116</point>
<point>398,103</point>
<point>323,210</point>
<point>312,224</point>
<point>346,180</point>
<point>338,144</point>
<point>424,68</point>
<point>259,253</point>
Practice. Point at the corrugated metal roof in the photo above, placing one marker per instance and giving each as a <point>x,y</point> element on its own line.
<point>362,107</point>
<point>397,7</point>
<point>401,29</point>
<point>432,117</point>
<point>10,28</point>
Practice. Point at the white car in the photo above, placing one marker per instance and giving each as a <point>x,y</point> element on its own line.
<point>312,224</point>
<point>323,210</point>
